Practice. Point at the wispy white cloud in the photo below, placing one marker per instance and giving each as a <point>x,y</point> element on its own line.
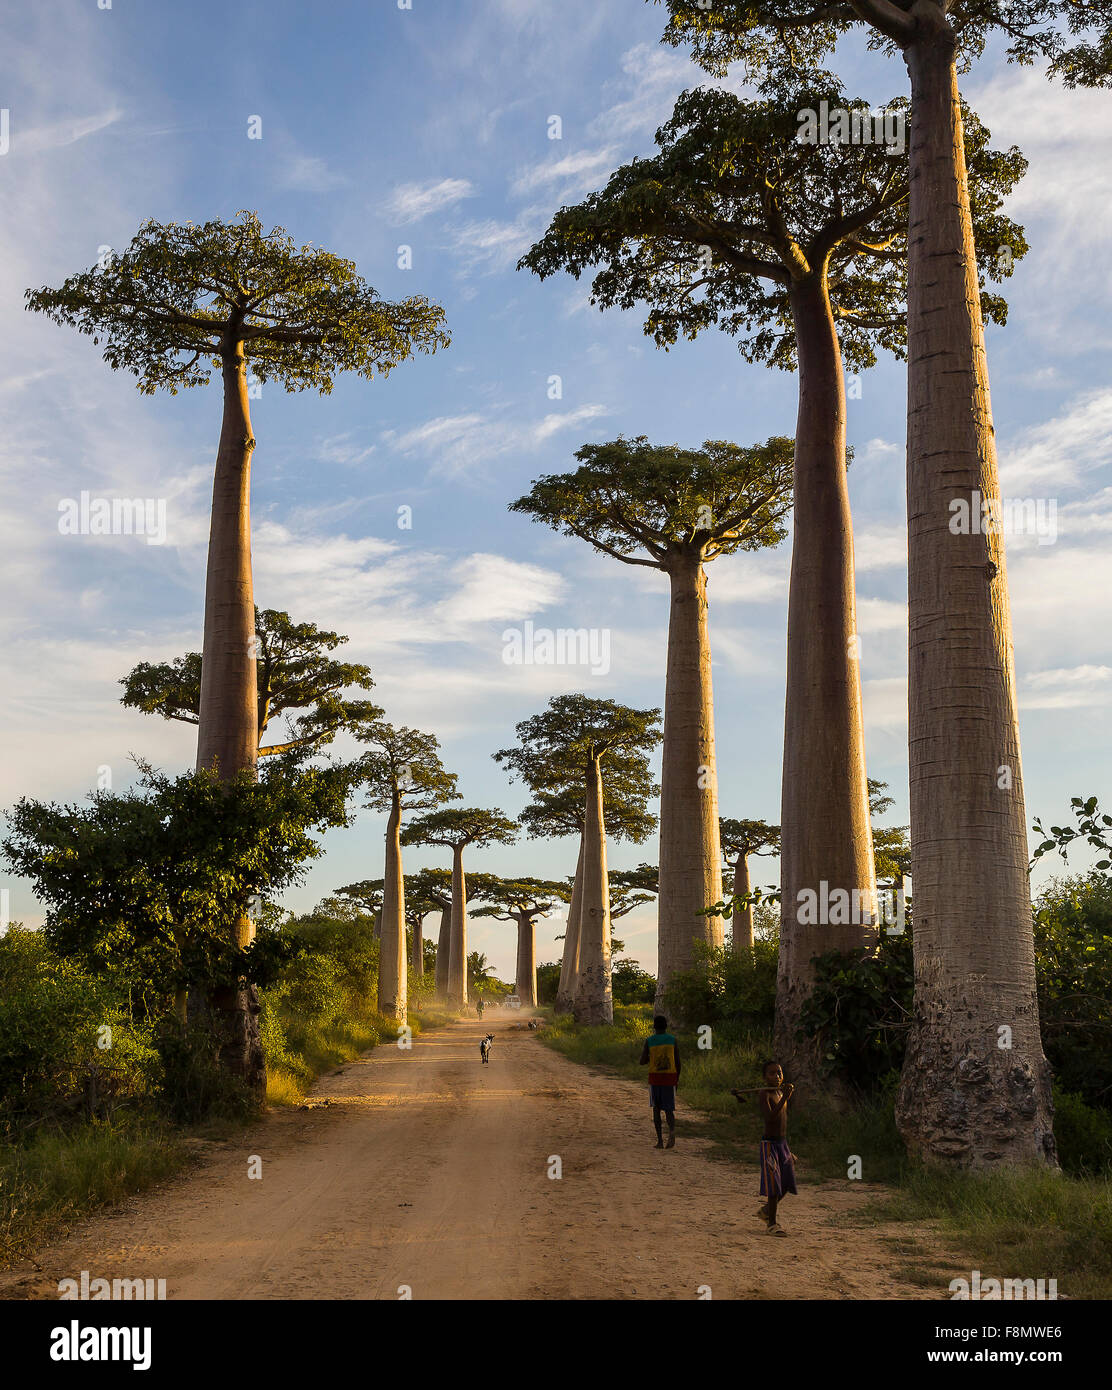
<point>1067,190</point>
<point>1074,687</point>
<point>643,95</point>
<point>493,246</point>
<point>460,444</point>
<point>1059,452</point>
<point>574,173</point>
<point>879,547</point>
<point>339,448</point>
<point>493,588</point>
<point>409,202</point>
<point>57,134</point>
<point>309,174</point>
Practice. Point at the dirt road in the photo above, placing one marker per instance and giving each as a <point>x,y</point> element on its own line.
<point>430,1172</point>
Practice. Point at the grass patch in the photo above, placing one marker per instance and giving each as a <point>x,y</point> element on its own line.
<point>1011,1224</point>
<point>299,1052</point>
<point>57,1177</point>
<point>1023,1224</point>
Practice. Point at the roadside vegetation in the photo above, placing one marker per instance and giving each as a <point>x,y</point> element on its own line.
<point>102,1096</point>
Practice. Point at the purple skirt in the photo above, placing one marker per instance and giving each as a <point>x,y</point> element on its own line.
<point>777,1170</point>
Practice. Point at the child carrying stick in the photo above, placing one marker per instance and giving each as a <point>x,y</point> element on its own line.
<point>777,1159</point>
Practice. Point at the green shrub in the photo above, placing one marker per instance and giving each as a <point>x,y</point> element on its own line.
<point>548,982</point>
<point>1073,955</point>
<point>1083,1134</point>
<point>860,1009</point>
<point>724,988</point>
<point>631,984</point>
<point>56,1176</point>
<point>192,1084</point>
<point>68,1047</point>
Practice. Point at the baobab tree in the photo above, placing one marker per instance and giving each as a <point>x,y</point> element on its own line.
<point>431,891</point>
<point>675,510</point>
<point>798,250</point>
<point>626,789</point>
<point>297,678</point>
<point>366,894</point>
<point>402,772</point>
<point>178,302</point>
<point>578,732</point>
<point>632,888</point>
<point>455,828</point>
<point>522,901</point>
<point>740,839</point>
<point>962,1100</point>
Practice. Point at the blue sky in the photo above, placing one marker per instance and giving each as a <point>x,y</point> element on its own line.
<point>429,128</point>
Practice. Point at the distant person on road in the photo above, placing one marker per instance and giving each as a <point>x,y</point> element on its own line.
<point>485,1046</point>
<point>777,1159</point>
<point>479,1006</point>
<point>661,1054</point>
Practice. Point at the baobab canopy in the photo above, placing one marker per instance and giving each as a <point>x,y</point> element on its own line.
<point>183,293</point>
<point>756,34</point>
<point>297,679</point>
<point>714,229</point>
<point>630,495</point>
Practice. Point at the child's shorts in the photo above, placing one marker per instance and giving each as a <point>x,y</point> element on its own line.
<point>663,1098</point>
<point>777,1169</point>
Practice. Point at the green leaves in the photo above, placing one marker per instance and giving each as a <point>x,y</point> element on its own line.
<point>734,210</point>
<point>517,897</point>
<point>404,763</point>
<point>1092,827</point>
<point>859,1011</point>
<point>558,744</point>
<point>184,297</point>
<point>748,836</point>
<point>626,789</point>
<point>630,498</point>
<point>460,826</point>
<point>766,36</point>
<point>151,880</point>
<point>1073,954</point>
<point>295,673</point>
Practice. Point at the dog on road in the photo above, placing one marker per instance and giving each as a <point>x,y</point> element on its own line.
<point>485,1046</point>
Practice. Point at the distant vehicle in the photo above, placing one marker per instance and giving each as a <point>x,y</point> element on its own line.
<point>513,1002</point>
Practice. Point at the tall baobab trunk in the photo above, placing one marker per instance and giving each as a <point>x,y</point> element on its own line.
<point>443,951</point>
<point>569,965</point>
<point>741,924</point>
<point>975,1088</point>
<point>378,924</point>
<point>392,981</point>
<point>526,983</point>
<point>228,720</point>
<point>417,959</point>
<point>457,956</point>
<point>594,1001</point>
<point>828,878</point>
<point>690,849</point>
